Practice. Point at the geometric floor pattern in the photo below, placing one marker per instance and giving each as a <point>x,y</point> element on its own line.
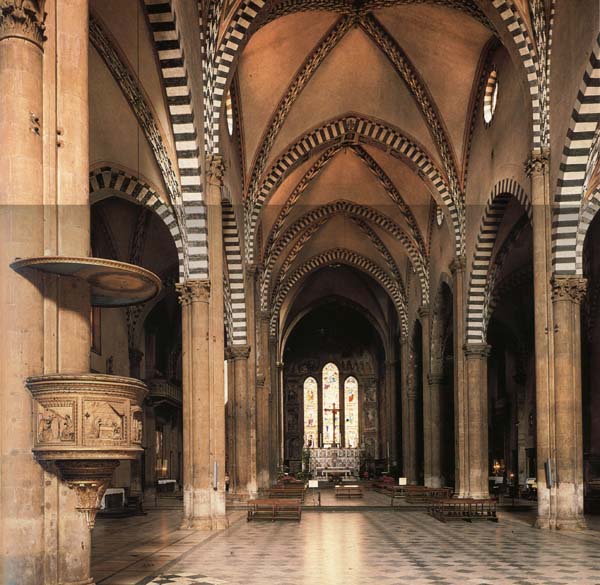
<point>386,548</point>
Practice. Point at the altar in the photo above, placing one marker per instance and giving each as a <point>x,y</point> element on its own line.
<point>324,460</point>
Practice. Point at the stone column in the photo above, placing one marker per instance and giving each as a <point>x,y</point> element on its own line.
<point>200,453</point>
<point>251,274</point>
<point>404,366</point>
<point>277,446</point>
<point>567,295</point>
<point>428,430</point>
<point>537,168</point>
<point>475,463</point>
<point>244,483</point>
<point>411,419</point>
<point>21,304</point>
<point>435,381</point>
<point>457,268</point>
<point>149,455</point>
<point>390,378</point>
<point>214,173</point>
<point>263,391</point>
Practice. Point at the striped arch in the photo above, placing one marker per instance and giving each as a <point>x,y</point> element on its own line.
<point>353,210</point>
<point>342,130</point>
<point>117,180</point>
<point>229,49</point>
<point>171,58</point>
<point>478,297</point>
<point>339,256</point>
<point>235,272</point>
<point>520,33</point>
<point>227,311</point>
<point>588,212</point>
<point>574,167</point>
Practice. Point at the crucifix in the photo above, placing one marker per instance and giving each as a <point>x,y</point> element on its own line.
<point>333,411</point>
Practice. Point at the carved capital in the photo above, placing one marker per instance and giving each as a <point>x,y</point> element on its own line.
<point>537,164</point>
<point>89,479</point>
<point>390,363</point>
<point>215,169</point>
<point>280,365</point>
<point>435,379</point>
<point>423,312</point>
<point>193,291</point>
<point>477,350</point>
<point>569,288</point>
<point>23,19</point>
<point>264,316</point>
<point>459,264</point>
<point>237,352</point>
<point>252,270</point>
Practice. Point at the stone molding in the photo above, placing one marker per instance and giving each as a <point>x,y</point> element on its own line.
<point>237,352</point>
<point>251,269</point>
<point>537,163</point>
<point>434,379</point>
<point>423,312</point>
<point>569,288</point>
<point>89,480</point>
<point>458,264</point>
<point>215,169</point>
<point>193,291</point>
<point>477,350</point>
<point>280,365</point>
<point>23,19</point>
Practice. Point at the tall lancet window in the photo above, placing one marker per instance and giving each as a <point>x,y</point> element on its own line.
<point>331,405</point>
<point>311,413</point>
<point>351,412</point>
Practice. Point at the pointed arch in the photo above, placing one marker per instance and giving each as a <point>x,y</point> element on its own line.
<point>171,58</point>
<point>347,130</point>
<point>353,210</point>
<point>235,273</point>
<point>124,183</point>
<point>479,293</point>
<point>339,256</point>
<point>574,169</point>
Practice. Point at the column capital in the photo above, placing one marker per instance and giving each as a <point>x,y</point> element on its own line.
<point>434,379</point>
<point>390,363</point>
<point>477,350</point>
<point>23,19</point>
<point>280,365</point>
<point>237,352</point>
<point>424,311</point>
<point>193,291</point>
<point>264,316</point>
<point>458,264</point>
<point>537,163</point>
<point>215,169</point>
<point>568,288</point>
<point>252,269</point>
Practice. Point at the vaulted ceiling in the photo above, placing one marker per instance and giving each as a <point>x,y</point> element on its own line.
<point>340,103</point>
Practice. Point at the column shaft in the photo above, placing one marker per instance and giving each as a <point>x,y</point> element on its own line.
<point>460,400</point>
<point>21,304</point>
<point>435,382</point>
<point>475,465</point>
<point>567,294</point>
<point>263,390</point>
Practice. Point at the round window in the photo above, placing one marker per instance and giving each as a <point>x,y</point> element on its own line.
<point>490,98</point>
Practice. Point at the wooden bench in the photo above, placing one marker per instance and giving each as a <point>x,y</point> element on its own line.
<point>468,509</point>
<point>292,491</point>
<point>419,494</point>
<point>274,509</point>
<point>383,485</point>
<point>348,491</point>
<point>396,492</point>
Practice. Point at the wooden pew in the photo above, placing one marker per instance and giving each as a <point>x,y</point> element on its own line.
<point>419,494</point>
<point>348,491</point>
<point>274,509</point>
<point>292,491</point>
<point>444,509</point>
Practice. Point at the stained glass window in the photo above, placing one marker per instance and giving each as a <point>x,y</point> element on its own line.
<point>311,411</point>
<point>351,412</point>
<point>331,405</point>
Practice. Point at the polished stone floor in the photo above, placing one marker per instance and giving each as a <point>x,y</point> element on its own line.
<point>383,547</point>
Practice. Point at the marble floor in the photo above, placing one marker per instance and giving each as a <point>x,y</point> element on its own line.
<point>327,548</point>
